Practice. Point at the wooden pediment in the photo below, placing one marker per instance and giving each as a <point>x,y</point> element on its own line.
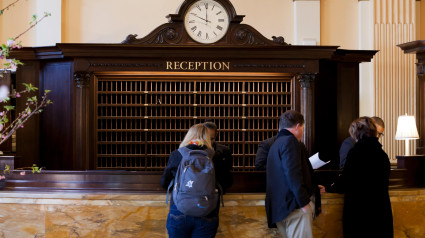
<point>174,33</point>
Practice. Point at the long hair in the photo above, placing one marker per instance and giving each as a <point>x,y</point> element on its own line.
<point>363,127</point>
<point>197,133</point>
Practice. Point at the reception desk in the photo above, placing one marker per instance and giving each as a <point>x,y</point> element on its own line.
<point>60,214</point>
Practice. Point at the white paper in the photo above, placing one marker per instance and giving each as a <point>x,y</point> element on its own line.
<point>316,162</point>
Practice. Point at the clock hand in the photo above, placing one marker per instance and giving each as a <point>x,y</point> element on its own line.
<point>203,23</point>
<point>201,18</point>
<point>206,14</point>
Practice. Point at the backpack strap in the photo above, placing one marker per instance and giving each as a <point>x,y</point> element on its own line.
<point>221,193</point>
<point>168,190</point>
<point>184,151</point>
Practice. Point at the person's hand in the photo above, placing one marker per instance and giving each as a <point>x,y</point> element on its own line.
<point>322,189</point>
<point>306,207</point>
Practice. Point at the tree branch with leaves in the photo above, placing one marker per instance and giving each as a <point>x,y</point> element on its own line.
<point>12,43</point>
<point>32,105</point>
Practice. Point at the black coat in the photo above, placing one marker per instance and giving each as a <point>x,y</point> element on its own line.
<point>364,180</point>
<point>262,153</point>
<point>346,146</point>
<point>289,178</point>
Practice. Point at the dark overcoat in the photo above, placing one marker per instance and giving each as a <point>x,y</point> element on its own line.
<point>364,179</point>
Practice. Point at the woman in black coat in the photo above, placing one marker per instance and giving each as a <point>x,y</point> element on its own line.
<point>180,225</point>
<point>364,180</point>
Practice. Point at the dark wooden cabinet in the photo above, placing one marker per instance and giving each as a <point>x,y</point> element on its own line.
<point>109,113</point>
<point>127,106</point>
<point>415,168</point>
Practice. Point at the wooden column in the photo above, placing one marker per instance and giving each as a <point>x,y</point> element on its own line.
<point>82,137</point>
<point>307,108</point>
<point>420,120</point>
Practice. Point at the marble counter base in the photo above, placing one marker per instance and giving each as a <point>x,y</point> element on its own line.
<point>136,215</point>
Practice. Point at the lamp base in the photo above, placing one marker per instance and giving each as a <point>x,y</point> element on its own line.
<point>407,148</point>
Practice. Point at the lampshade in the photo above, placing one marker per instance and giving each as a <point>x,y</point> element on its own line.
<point>406,128</point>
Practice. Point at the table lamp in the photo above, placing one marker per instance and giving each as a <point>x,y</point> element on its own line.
<point>406,130</point>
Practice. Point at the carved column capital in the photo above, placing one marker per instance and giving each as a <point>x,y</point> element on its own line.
<point>306,80</point>
<point>82,79</point>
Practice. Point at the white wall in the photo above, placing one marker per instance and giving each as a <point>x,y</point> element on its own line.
<point>105,21</point>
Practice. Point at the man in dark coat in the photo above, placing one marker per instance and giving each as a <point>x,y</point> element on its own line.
<point>290,189</point>
<point>263,152</point>
<point>223,161</point>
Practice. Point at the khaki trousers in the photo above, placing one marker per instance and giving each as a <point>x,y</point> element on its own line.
<point>298,224</point>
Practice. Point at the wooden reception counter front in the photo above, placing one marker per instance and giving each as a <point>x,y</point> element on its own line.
<point>67,214</point>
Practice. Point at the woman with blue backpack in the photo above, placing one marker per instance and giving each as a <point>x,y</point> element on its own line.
<point>195,202</point>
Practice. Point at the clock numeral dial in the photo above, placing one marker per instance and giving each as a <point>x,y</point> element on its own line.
<point>206,21</point>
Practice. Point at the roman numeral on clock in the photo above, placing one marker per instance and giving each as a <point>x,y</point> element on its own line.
<point>220,28</point>
<point>199,34</point>
<point>194,28</point>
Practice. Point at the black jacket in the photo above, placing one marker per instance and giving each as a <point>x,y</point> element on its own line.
<point>289,178</point>
<point>346,146</point>
<point>263,152</point>
<point>364,180</point>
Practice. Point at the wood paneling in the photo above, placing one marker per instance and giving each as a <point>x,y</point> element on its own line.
<point>57,119</point>
<point>27,138</point>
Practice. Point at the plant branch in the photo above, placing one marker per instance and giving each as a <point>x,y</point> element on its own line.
<point>7,7</point>
<point>21,119</point>
<point>32,25</point>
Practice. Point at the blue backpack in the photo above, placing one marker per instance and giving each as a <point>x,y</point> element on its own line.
<point>195,192</point>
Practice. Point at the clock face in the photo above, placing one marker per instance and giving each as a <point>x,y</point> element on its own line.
<point>206,21</point>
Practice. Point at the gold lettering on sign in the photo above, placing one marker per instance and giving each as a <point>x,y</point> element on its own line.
<point>198,66</point>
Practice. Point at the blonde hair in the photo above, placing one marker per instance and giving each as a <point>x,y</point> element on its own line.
<point>198,133</point>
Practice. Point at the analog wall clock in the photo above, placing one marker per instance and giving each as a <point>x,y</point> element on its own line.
<point>206,21</point>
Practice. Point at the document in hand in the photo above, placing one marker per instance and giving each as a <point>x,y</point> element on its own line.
<point>316,162</point>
